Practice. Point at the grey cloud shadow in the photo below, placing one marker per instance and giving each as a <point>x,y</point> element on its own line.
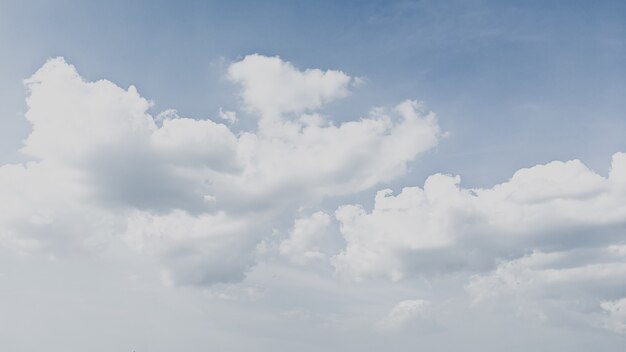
<point>133,177</point>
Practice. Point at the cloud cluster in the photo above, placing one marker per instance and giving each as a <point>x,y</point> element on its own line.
<point>557,206</point>
<point>306,238</point>
<point>202,199</point>
<point>191,192</point>
<point>548,244</point>
<point>582,287</point>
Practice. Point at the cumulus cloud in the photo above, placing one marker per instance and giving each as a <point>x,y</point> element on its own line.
<point>272,87</point>
<point>306,238</point>
<point>192,143</point>
<point>560,205</point>
<point>45,209</point>
<point>72,118</point>
<point>194,250</point>
<point>191,192</point>
<point>583,287</point>
<point>198,197</point>
<point>546,245</point>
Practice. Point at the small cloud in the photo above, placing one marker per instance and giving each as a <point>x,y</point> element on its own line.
<point>273,87</point>
<point>228,116</point>
<point>169,114</point>
<point>306,238</point>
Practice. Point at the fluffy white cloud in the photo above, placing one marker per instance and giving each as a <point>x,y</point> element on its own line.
<point>194,250</point>
<point>71,118</point>
<point>271,86</point>
<point>546,245</point>
<point>45,209</point>
<point>306,239</point>
<point>582,287</point>
<point>190,192</point>
<point>560,205</point>
<point>196,143</point>
<point>198,198</point>
<point>328,160</point>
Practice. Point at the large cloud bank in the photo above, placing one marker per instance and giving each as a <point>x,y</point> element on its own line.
<point>204,198</point>
<point>557,206</point>
<point>192,192</point>
<point>549,244</point>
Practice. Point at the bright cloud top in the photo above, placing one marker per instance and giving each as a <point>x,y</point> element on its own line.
<point>548,244</point>
<point>560,204</point>
<point>272,86</point>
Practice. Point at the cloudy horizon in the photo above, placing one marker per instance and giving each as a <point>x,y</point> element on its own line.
<point>225,190</point>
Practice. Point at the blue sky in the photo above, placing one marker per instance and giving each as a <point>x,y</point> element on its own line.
<point>304,194</point>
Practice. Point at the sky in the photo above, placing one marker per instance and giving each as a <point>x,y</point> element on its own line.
<point>306,176</point>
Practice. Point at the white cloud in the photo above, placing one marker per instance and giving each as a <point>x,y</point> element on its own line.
<point>306,239</point>
<point>442,226</point>
<point>271,86</point>
<point>577,288</point>
<point>198,198</point>
<point>194,250</point>
<point>208,205</point>
<point>228,116</point>
<point>196,143</point>
<point>312,160</point>
<point>192,193</point>
<point>71,118</point>
<point>44,209</point>
<point>546,245</point>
